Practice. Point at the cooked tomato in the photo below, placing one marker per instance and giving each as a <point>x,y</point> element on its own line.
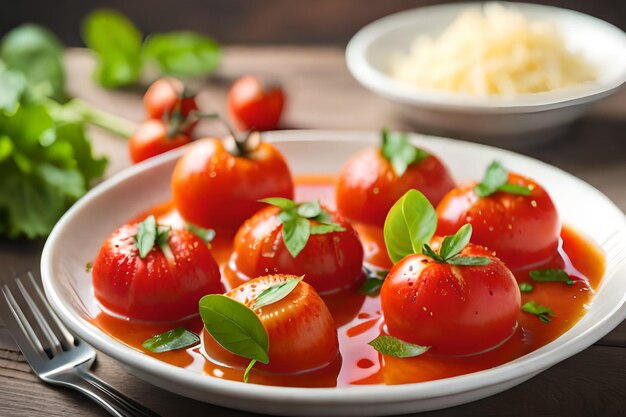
<point>158,287</point>
<point>151,139</point>
<point>522,230</point>
<point>368,185</point>
<point>253,106</point>
<point>329,262</point>
<point>458,310</point>
<point>166,97</point>
<point>215,189</point>
<point>300,329</point>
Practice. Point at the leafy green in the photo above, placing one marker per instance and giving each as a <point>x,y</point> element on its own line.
<point>543,313</point>
<point>276,292</point>
<point>495,180</point>
<point>550,275</point>
<point>451,248</point>
<point>12,87</point>
<point>205,234</point>
<point>525,287</point>
<point>400,152</point>
<point>177,338</point>
<point>389,345</point>
<point>149,233</point>
<point>182,54</point>
<point>374,279</point>
<point>410,224</point>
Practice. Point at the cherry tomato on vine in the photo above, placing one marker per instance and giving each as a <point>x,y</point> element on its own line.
<point>167,97</point>
<point>151,139</point>
<point>253,106</point>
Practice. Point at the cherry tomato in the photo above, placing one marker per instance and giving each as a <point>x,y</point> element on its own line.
<point>254,107</point>
<point>151,139</point>
<point>166,96</point>
<point>329,262</point>
<point>522,230</point>
<point>301,330</point>
<point>457,310</point>
<point>214,189</point>
<point>368,185</point>
<point>157,287</point>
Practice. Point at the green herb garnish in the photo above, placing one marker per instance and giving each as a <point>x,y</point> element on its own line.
<point>276,292</point>
<point>149,234</point>
<point>495,180</point>
<point>550,275</point>
<point>400,152</point>
<point>451,248</point>
<point>296,220</point>
<point>389,345</point>
<point>205,234</point>
<point>525,287</point>
<point>374,278</point>
<point>543,313</point>
<point>177,338</point>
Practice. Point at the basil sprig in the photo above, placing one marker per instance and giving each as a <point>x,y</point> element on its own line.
<point>276,292</point>
<point>296,221</point>
<point>550,275</point>
<point>543,313</point>
<point>177,338</point>
<point>392,346</point>
<point>149,234</point>
<point>399,151</point>
<point>205,234</point>
<point>374,278</point>
<point>495,180</point>
<point>451,248</point>
<point>525,287</point>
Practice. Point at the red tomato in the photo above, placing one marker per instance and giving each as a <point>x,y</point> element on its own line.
<point>156,288</point>
<point>254,107</point>
<point>167,95</point>
<point>368,185</point>
<point>214,189</point>
<point>300,328</point>
<point>151,139</point>
<point>458,310</point>
<point>522,230</point>
<point>329,262</point>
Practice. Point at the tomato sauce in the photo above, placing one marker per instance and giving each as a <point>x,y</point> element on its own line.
<point>359,320</point>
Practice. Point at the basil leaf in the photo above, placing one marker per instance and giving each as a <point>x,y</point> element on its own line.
<point>399,151</point>
<point>276,293</point>
<point>525,287</point>
<point>453,245</point>
<point>205,234</point>
<point>514,189</point>
<point>117,44</point>
<point>182,54</point>
<point>543,313</point>
<point>389,345</point>
<point>495,176</point>
<point>246,373</point>
<point>321,229</point>
<point>310,209</point>
<point>296,234</point>
<point>469,260</point>
<point>550,275</point>
<point>146,236</point>
<point>283,203</point>
<point>12,88</point>
<point>177,338</point>
<point>410,224</point>
<point>430,252</point>
<point>371,286</point>
<point>235,327</point>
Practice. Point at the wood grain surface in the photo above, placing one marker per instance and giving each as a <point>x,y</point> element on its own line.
<point>322,95</point>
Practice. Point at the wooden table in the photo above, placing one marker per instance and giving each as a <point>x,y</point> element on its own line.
<point>323,95</point>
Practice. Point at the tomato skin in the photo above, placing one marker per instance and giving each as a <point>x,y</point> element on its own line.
<point>329,262</point>
<point>151,139</point>
<point>165,96</point>
<point>458,310</point>
<point>214,189</point>
<point>154,288</point>
<point>253,107</point>
<point>522,230</point>
<point>368,186</point>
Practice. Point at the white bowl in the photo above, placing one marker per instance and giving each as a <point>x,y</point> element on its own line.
<point>532,117</point>
<point>79,234</point>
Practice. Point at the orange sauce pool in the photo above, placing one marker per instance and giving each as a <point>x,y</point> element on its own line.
<point>358,317</point>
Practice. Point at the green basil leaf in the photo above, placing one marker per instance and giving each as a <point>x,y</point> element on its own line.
<point>389,345</point>
<point>12,87</point>
<point>453,245</point>
<point>296,234</point>
<point>543,313</point>
<point>371,286</point>
<point>430,252</point>
<point>469,260</point>
<point>177,338</point>
<point>324,217</point>
<point>525,287</point>
<point>182,54</point>
<point>246,373</point>
<point>322,229</point>
<point>276,292</point>
<point>409,225</point>
<point>514,189</point>
<point>310,209</point>
<point>283,203</point>
<point>550,275</point>
<point>205,234</point>
<point>146,236</point>
<point>235,327</point>
<point>117,44</point>
<point>495,177</point>
<point>400,152</point>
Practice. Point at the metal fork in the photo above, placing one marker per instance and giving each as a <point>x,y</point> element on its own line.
<point>56,356</point>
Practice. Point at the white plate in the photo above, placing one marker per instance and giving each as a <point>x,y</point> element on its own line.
<point>77,237</point>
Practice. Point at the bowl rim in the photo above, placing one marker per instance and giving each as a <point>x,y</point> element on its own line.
<point>540,360</point>
<point>383,84</point>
